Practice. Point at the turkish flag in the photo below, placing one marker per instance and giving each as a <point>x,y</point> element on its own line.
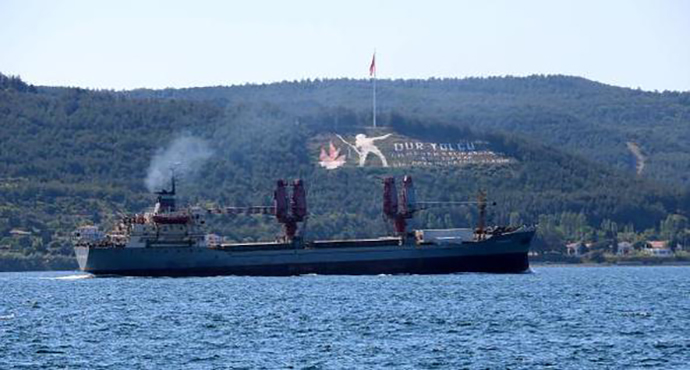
<point>372,67</point>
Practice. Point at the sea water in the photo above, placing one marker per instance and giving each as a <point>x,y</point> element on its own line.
<point>554,317</point>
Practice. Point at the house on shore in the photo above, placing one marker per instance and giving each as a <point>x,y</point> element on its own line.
<point>625,248</point>
<point>576,249</point>
<point>658,248</point>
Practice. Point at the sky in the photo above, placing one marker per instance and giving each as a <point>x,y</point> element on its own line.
<point>127,44</point>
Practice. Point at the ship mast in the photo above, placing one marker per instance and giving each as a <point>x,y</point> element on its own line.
<point>481,223</point>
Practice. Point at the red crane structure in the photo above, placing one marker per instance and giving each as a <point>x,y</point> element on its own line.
<point>399,213</point>
<point>401,208</point>
<point>289,211</point>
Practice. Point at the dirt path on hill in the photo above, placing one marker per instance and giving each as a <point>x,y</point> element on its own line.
<point>639,157</point>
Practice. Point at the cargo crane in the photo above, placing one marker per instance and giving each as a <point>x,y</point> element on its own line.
<point>399,213</point>
<point>401,208</point>
<point>289,211</point>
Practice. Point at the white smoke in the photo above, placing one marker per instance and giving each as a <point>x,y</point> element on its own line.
<point>186,154</point>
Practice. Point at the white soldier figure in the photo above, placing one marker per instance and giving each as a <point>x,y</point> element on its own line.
<point>365,145</point>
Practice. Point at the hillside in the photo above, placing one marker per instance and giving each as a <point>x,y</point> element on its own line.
<point>591,119</point>
<point>73,156</point>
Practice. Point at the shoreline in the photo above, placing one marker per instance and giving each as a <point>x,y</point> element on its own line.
<point>607,264</point>
<point>13,262</point>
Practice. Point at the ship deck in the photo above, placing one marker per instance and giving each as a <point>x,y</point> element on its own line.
<point>316,244</point>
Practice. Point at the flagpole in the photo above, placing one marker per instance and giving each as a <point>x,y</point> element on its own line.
<point>374,99</point>
<point>372,72</point>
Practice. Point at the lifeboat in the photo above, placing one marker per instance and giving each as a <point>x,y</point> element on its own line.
<point>171,219</point>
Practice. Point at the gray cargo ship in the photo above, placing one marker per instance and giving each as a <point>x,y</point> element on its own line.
<point>171,242</point>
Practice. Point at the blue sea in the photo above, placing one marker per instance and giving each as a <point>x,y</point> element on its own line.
<point>552,318</point>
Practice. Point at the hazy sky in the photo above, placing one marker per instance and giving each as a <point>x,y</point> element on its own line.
<point>127,44</point>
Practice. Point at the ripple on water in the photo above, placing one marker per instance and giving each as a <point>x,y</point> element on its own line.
<point>69,277</point>
<point>557,317</point>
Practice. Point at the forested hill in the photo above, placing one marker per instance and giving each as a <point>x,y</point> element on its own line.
<point>73,156</point>
<point>596,121</point>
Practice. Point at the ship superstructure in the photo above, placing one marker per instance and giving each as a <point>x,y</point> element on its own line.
<point>163,226</point>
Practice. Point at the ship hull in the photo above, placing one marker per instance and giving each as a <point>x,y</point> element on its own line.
<point>501,254</point>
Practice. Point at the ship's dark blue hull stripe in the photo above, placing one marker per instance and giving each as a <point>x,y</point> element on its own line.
<point>497,263</point>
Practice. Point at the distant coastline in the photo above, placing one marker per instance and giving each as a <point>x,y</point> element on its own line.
<point>610,260</point>
<point>606,264</point>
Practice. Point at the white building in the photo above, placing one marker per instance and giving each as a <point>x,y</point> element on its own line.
<point>576,249</point>
<point>625,248</point>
